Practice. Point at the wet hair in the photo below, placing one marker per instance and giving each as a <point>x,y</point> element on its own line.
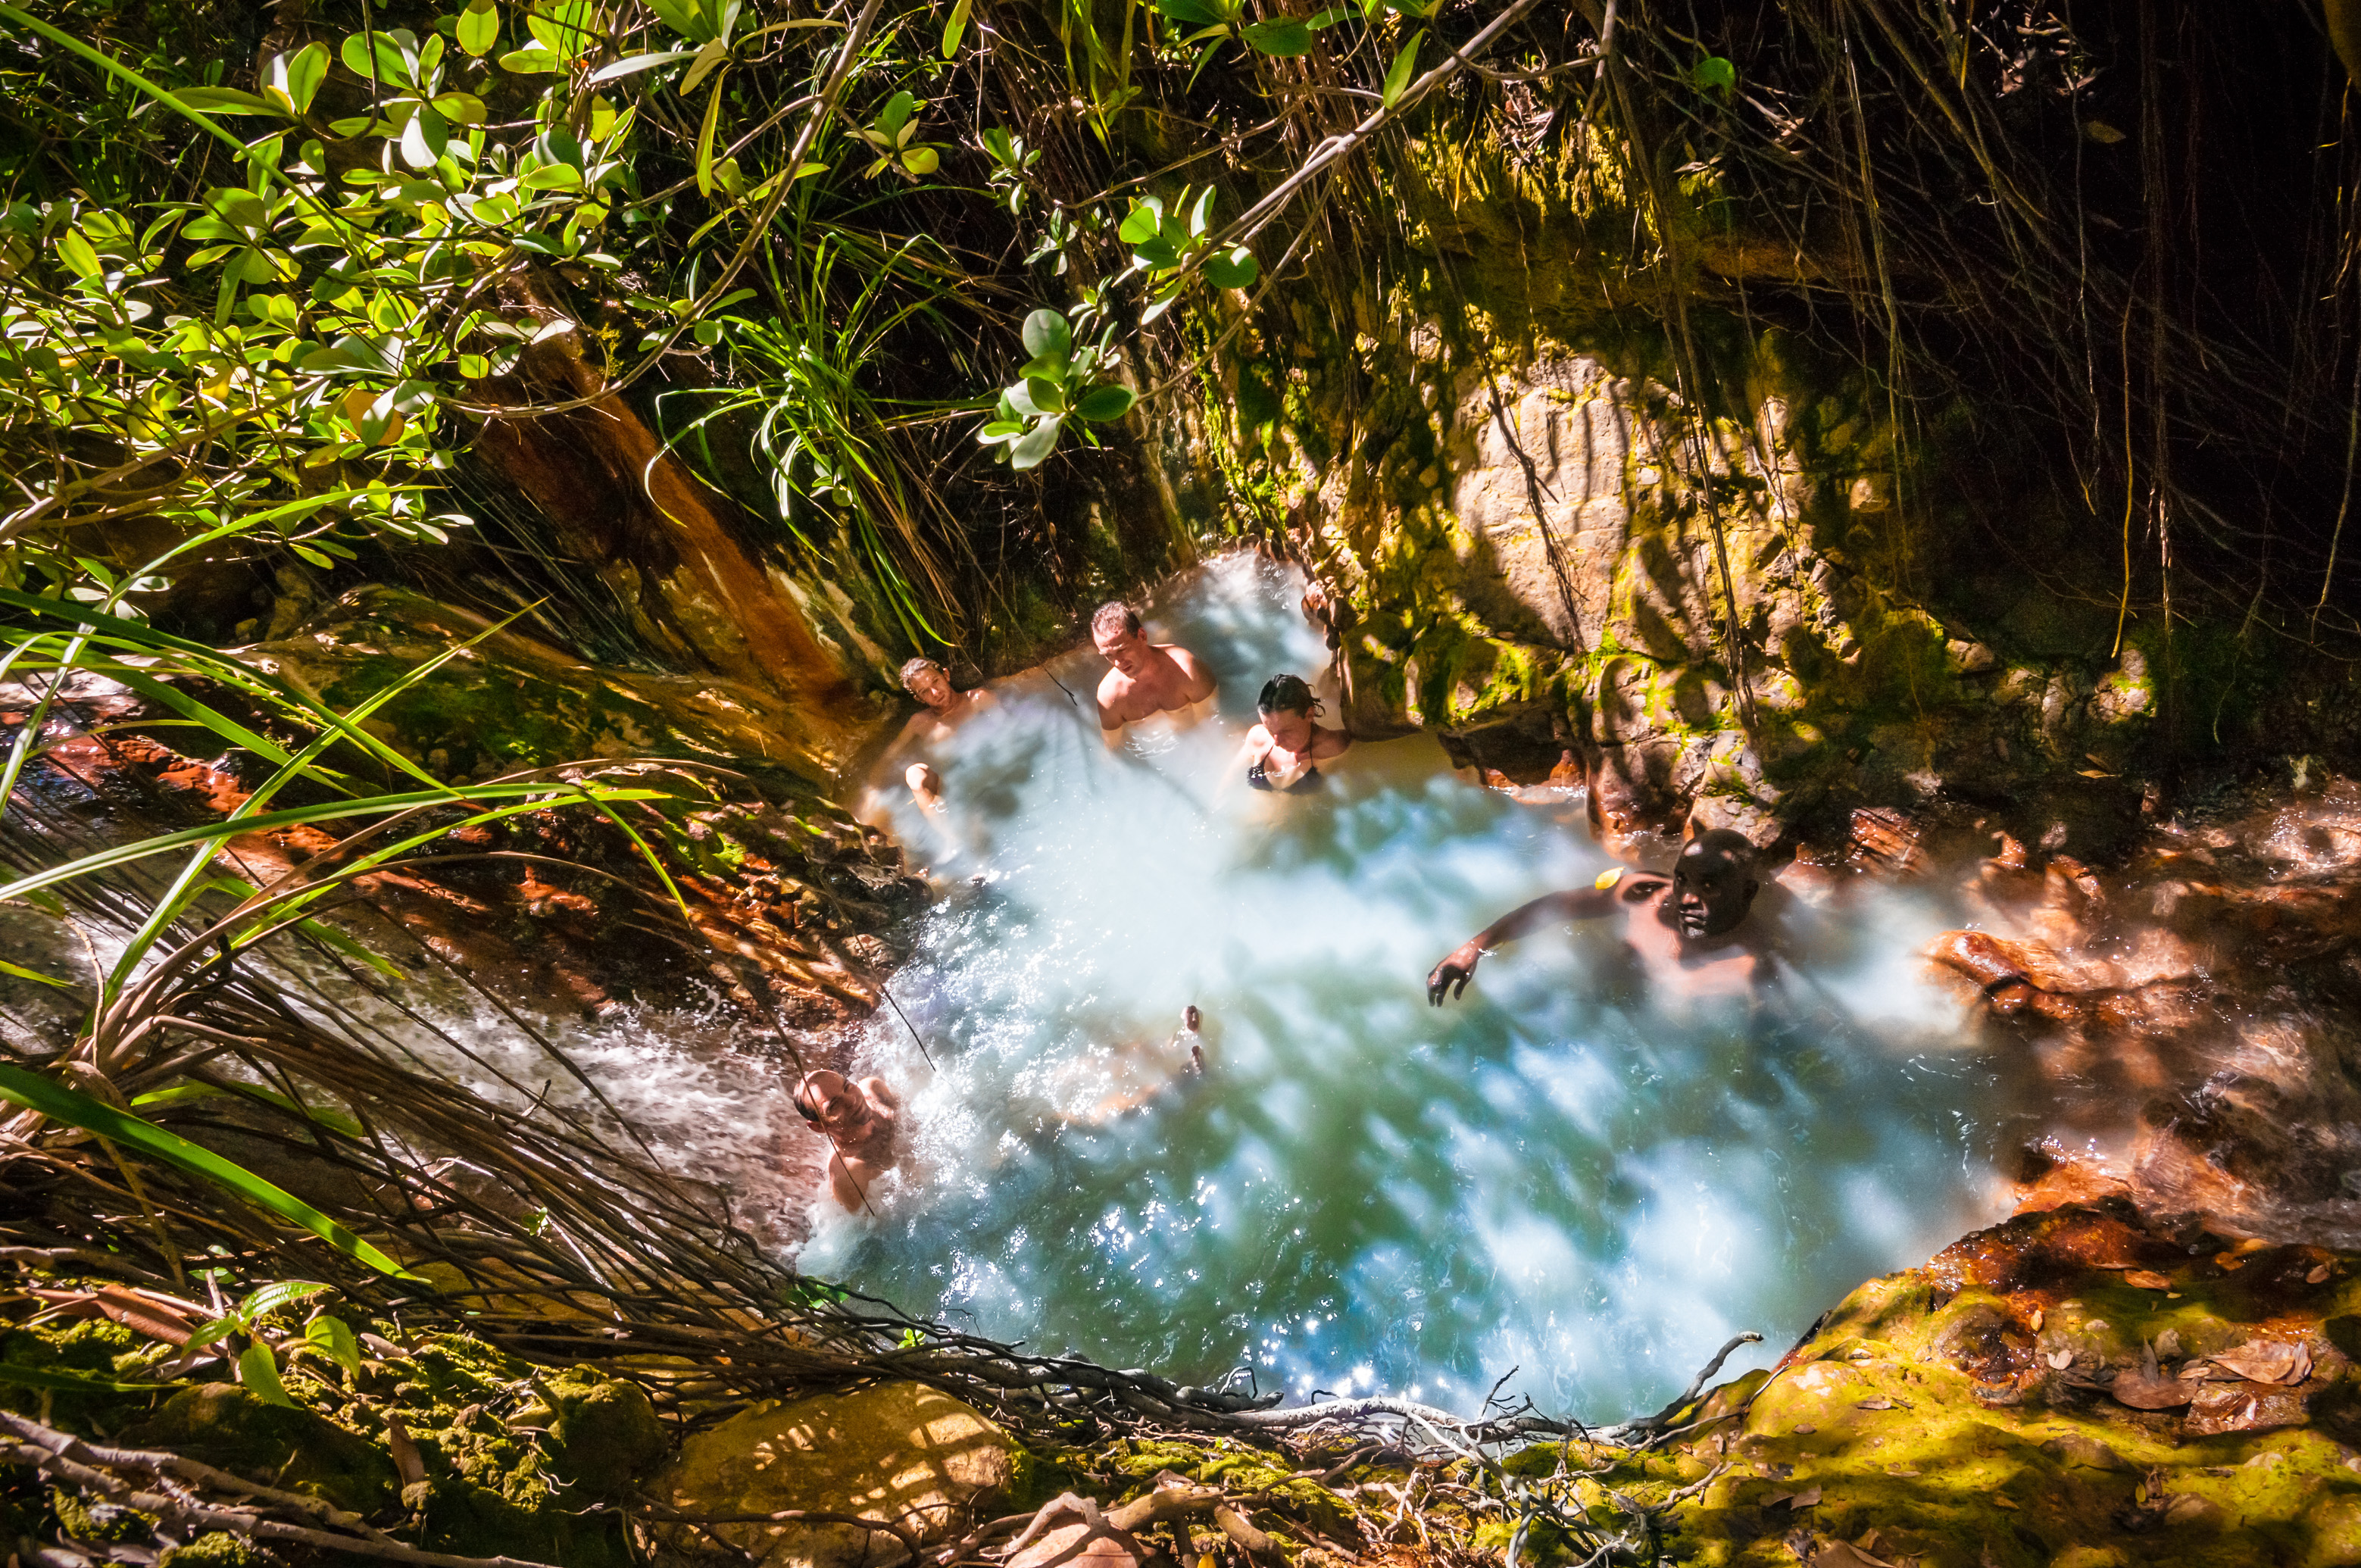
<point>1115,616</point>
<point>910,671</point>
<point>1288,694</point>
<point>1722,844</point>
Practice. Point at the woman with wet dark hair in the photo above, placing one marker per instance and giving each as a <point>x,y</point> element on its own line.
<point>1283,752</point>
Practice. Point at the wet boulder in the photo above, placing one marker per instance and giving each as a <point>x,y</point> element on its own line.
<point>900,1453</point>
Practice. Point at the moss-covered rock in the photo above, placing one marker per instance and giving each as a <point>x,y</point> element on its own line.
<point>1985,1409</point>
<point>223,1425</point>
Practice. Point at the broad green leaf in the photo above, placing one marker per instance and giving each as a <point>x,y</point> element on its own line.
<point>75,1108</point>
<point>376,55</point>
<point>1141,224</point>
<point>1282,35</point>
<point>1234,270</point>
<point>709,60</point>
<point>954,27</point>
<point>479,27</point>
<point>258,1368</point>
<point>1101,404</point>
<point>278,1294</point>
<point>530,61</point>
<point>333,1338</point>
<point>921,160</point>
<point>1398,75</point>
<point>1195,13</point>
<point>78,253</point>
<point>1715,74</point>
<point>632,65</point>
<point>1044,396</point>
<point>1045,332</point>
<point>1201,216</point>
<point>1028,450</point>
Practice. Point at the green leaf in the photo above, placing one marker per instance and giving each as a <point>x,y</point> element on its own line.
<point>61,1380</point>
<point>709,60</point>
<point>1282,36</point>
<point>1142,223</point>
<point>1201,216</point>
<point>1234,270</point>
<point>1101,404</point>
<point>376,55</point>
<point>75,1108</point>
<point>304,74</point>
<point>922,160</point>
<point>1714,74</point>
<point>1194,12</point>
<point>333,1338</point>
<point>77,252</point>
<point>479,27</point>
<point>1045,332</point>
<point>632,65</point>
<point>1029,449</point>
<point>258,1368</point>
<point>1398,74</point>
<point>228,100</point>
<point>182,1093</point>
<point>529,61</point>
<point>21,972</point>
<point>1046,396</point>
<point>278,1294</point>
<point>954,27</point>
<point>897,112</point>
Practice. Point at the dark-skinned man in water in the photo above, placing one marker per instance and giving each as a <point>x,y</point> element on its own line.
<point>1148,678</point>
<point>1684,929</point>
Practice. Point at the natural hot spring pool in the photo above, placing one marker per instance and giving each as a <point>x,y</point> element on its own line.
<point>1560,1174</point>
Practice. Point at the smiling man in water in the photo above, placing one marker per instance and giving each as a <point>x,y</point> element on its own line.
<point>1148,678</point>
<point>1685,930</point>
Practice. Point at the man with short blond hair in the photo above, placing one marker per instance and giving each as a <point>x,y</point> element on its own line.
<point>1148,678</point>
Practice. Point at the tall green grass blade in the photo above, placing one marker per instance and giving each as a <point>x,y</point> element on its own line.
<point>75,1108</point>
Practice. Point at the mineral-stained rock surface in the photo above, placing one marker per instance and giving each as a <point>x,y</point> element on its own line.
<point>2081,1386</point>
<point>899,1453</point>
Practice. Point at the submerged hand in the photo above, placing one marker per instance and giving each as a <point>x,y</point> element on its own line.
<point>1458,968</point>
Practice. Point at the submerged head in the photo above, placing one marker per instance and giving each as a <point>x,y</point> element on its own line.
<point>1286,706</point>
<point>1114,632</point>
<point>925,680</point>
<point>1713,883</point>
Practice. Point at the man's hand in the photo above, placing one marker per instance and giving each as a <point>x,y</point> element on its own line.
<point>1458,968</point>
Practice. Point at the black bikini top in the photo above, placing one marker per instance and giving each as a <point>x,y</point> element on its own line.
<point>1257,779</point>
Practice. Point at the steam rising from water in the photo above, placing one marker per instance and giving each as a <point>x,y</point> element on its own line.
<point>1561,1173</point>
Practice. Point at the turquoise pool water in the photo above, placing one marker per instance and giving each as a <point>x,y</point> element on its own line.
<point>1564,1179</point>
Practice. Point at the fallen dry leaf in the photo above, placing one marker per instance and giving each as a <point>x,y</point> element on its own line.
<point>2001,1500</point>
<point>1903,1470</point>
<point>2228,1262</point>
<point>1839,1554</point>
<point>1795,1500</point>
<point>1877,1404</point>
<point>1806,1431</point>
<point>2143,1388</point>
<point>2146,1280</point>
<point>2317,1275</point>
<point>2268,1361</point>
<point>2036,1320</point>
<point>2060,1359</point>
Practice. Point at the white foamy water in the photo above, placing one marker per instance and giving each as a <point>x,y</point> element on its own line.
<point>1560,1174</point>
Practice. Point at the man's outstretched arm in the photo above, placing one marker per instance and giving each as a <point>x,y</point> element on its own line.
<point>1576,903</point>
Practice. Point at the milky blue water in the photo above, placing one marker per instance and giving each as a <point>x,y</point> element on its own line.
<point>1569,1177</point>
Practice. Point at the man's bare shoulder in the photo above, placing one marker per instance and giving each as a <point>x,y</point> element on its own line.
<point>1200,678</point>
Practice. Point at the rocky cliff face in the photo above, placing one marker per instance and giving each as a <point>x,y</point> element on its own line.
<point>1554,553</point>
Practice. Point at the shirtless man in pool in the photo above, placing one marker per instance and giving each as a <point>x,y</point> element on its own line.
<point>1684,929</point>
<point>859,1120</point>
<point>1148,678</point>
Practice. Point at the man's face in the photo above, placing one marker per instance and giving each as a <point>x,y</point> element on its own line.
<point>932,688</point>
<point>1126,651</point>
<point>1710,894</point>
